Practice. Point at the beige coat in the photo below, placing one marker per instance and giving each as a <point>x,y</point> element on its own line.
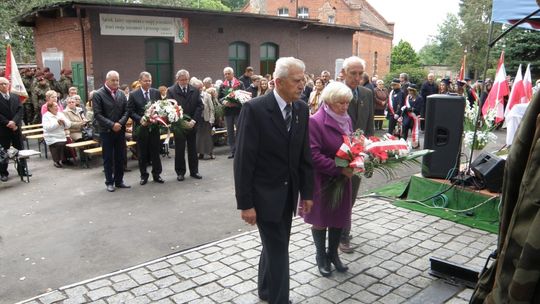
<point>77,122</point>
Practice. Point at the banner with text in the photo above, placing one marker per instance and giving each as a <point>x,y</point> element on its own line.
<point>134,25</point>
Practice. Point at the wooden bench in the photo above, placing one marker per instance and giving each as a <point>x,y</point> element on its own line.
<point>379,118</point>
<point>79,146</point>
<point>32,131</point>
<point>34,126</point>
<point>98,150</point>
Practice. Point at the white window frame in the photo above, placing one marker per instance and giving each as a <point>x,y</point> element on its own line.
<point>283,12</point>
<point>303,12</point>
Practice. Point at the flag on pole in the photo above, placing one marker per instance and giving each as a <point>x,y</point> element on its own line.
<point>517,94</point>
<point>527,83</point>
<point>14,77</point>
<point>495,98</point>
<point>462,70</point>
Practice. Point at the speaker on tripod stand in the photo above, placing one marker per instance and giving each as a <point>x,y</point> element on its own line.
<point>444,129</point>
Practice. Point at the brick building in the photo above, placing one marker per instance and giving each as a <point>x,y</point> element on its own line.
<point>94,38</point>
<point>373,40</point>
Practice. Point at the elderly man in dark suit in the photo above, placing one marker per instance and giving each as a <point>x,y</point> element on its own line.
<point>111,114</point>
<point>272,166</point>
<point>361,111</point>
<point>147,136</point>
<point>190,99</point>
<point>11,113</point>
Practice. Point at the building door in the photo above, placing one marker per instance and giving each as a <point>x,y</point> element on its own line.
<point>159,61</point>
<point>78,79</point>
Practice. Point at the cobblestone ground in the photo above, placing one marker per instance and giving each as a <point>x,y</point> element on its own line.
<point>390,265</point>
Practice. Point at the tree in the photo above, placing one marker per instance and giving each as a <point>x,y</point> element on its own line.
<point>430,54</point>
<point>403,54</point>
<point>235,5</point>
<point>521,46</point>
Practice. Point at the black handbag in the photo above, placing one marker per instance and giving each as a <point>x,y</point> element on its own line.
<point>87,132</point>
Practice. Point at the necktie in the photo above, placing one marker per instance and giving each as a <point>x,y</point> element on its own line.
<point>184,90</point>
<point>146,96</point>
<point>355,94</point>
<point>6,96</point>
<point>288,116</point>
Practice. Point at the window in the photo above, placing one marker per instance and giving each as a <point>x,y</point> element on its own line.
<point>303,12</point>
<point>239,56</point>
<point>159,61</point>
<point>283,11</point>
<point>331,19</point>
<point>269,56</point>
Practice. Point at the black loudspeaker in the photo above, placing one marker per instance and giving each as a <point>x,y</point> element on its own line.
<point>489,168</point>
<point>444,130</point>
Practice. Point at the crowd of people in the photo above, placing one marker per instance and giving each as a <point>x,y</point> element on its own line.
<point>283,141</point>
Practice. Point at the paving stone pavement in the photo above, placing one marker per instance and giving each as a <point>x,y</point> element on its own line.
<point>390,265</point>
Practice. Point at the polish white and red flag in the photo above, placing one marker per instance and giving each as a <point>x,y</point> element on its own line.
<point>14,77</point>
<point>527,83</point>
<point>517,94</point>
<point>495,98</point>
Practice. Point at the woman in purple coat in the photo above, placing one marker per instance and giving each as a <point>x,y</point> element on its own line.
<point>326,130</point>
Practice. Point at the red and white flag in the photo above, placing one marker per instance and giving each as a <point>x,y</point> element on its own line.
<point>527,83</point>
<point>14,77</point>
<point>495,98</point>
<point>517,94</point>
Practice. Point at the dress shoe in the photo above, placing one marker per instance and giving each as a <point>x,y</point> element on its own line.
<point>4,178</point>
<point>180,178</point>
<point>67,162</point>
<point>345,247</point>
<point>143,181</point>
<point>110,188</point>
<point>196,175</point>
<point>124,186</point>
<point>230,156</point>
<point>158,180</point>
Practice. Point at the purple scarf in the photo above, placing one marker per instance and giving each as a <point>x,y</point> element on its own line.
<point>344,121</point>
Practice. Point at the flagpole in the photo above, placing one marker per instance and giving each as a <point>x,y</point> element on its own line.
<point>480,103</point>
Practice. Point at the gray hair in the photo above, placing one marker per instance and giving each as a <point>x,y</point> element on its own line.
<point>336,91</point>
<point>228,69</point>
<point>404,75</point>
<point>111,74</point>
<point>182,73</point>
<point>283,65</point>
<point>195,83</point>
<point>145,74</point>
<point>352,60</point>
<point>207,80</point>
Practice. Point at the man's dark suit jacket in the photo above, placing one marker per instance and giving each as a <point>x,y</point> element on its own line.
<point>107,110</point>
<point>191,102</point>
<point>268,158</point>
<point>361,111</point>
<point>137,103</point>
<point>10,110</point>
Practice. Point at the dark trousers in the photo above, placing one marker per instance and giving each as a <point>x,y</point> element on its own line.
<point>183,140</point>
<point>391,125</point>
<point>10,139</point>
<point>57,151</point>
<point>231,121</point>
<point>148,145</point>
<point>407,125</point>
<point>114,152</point>
<point>378,123</point>
<point>273,276</point>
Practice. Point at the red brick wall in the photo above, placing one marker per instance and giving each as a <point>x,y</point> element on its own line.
<point>363,44</point>
<point>207,52</point>
<point>375,50</point>
<point>65,35</point>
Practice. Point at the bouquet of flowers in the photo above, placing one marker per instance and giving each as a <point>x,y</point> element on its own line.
<point>165,114</point>
<point>367,155</point>
<point>238,97</point>
<point>485,126</point>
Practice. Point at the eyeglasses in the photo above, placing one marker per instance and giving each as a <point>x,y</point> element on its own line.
<point>4,83</point>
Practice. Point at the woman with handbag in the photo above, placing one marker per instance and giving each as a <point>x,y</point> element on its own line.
<point>77,118</point>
